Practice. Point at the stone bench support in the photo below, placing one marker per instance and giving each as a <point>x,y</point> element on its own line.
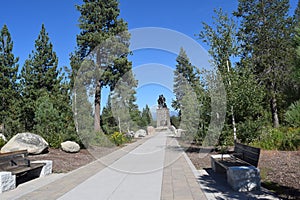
<point>7,181</point>
<point>243,178</point>
<point>240,178</point>
<point>47,169</point>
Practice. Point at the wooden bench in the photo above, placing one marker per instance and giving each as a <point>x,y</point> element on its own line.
<point>17,163</point>
<point>240,167</point>
<point>243,155</point>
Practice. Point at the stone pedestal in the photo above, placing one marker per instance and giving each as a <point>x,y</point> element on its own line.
<point>244,178</point>
<point>7,181</point>
<point>163,117</point>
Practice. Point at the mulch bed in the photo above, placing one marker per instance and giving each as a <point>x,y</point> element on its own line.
<point>64,162</point>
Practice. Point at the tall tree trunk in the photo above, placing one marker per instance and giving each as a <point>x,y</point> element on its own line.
<point>75,110</point>
<point>274,111</point>
<point>232,109</point>
<point>97,106</point>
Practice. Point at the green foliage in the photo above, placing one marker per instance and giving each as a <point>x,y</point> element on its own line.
<point>9,94</point>
<point>118,138</point>
<point>146,117</point>
<point>108,123</point>
<point>53,124</point>
<point>123,105</point>
<point>93,138</point>
<point>38,75</point>
<point>287,139</point>
<point>106,35</point>
<point>175,121</point>
<point>292,115</point>
<point>266,33</point>
<point>2,142</point>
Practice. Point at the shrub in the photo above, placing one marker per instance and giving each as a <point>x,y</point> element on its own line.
<point>292,116</point>
<point>279,139</point>
<point>118,138</point>
<point>2,142</point>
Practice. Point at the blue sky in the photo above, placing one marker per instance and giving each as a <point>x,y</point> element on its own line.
<point>24,19</point>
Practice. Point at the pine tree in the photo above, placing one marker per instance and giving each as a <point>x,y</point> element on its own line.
<point>9,95</point>
<point>146,117</point>
<point>39,75</point>
<point>100,24</point>
<point>266,40</point>
<point>185,73</point>
<point>189,95</point>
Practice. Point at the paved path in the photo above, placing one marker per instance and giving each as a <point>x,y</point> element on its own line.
<point>153,168</point>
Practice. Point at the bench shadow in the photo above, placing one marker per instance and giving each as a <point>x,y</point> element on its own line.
<point>215,184</point>
<point>28,176</point>
<point>283,191</point>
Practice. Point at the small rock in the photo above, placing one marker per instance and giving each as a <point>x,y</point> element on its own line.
<point>150,130</point>
<point>70,147</point>
<point>140,133</point>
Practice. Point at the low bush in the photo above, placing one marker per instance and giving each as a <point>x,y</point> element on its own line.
<point>2,142</point>
<point>285,139</point>
<point>292,115</point>
<point>118,138</point>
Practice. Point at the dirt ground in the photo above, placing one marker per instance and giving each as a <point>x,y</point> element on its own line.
<point>64,162</point>
<point>280,170</point>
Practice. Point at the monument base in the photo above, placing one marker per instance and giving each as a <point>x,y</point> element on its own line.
<point>163,117</point>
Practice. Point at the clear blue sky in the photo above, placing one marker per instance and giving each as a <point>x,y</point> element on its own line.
<point>24,19</point>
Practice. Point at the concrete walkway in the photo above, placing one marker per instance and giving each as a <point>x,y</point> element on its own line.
<point>153,168</point>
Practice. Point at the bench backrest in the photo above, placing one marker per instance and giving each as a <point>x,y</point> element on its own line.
<point>247,153</point>
<point>11,159</point>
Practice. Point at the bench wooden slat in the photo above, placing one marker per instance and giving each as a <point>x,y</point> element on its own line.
<point>247,153</point>
<point>17,162</point>
<point>22,169</point>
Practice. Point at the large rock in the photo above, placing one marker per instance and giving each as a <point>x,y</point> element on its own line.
<point>150,130</point>
<point>70,147</point>
<point>33,143</point>
<point>140,133</point>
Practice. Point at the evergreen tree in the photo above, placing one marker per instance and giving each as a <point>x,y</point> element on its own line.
<point>185,73</point>
<point>187,85</point>
<point>146,117</point>
<point>292,90</point>
<point>266,32</point>
<point>39,74</point>
<point>100,24</point>
<point>9,95</point>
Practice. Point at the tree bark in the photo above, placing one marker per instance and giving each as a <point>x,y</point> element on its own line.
<point>274,111</point>
<point>97,106</point>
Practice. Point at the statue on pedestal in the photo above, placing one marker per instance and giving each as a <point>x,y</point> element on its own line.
<point>162,112</point>
<point>161,102</point>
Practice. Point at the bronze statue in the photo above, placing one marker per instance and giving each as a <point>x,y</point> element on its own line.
<point>161,101</point>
